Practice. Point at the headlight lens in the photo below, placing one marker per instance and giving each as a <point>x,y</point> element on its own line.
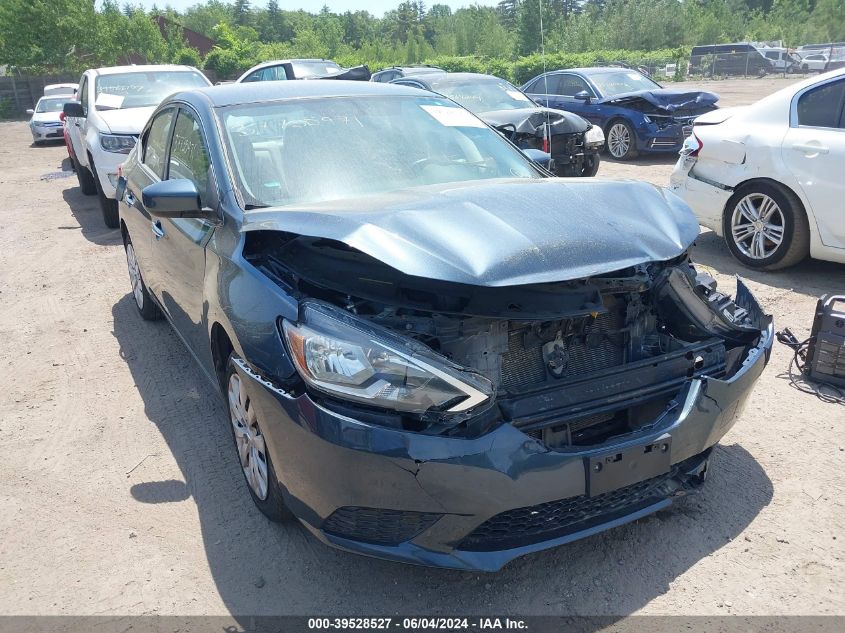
<point>594,136</point>
<point>116,143</point>
<point>350,359</point>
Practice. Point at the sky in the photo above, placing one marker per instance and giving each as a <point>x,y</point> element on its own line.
<point>376,7</point>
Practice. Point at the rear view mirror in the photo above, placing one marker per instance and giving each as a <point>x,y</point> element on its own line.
<point>73,108</point>
<point>174,199</point>
<point>582,96</point>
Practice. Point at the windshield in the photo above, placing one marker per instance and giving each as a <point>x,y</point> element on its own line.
<point>615,83</point>
<point>140,89</point>
<point>484,96</point>
<point>312,150</point>
<point>51,105</point>
<point>313,69</point>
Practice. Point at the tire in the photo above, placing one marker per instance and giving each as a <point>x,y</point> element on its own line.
<point>266,492</point>
<point>108,206</point>
<point>621,131</point>
<point>747,235</point>
<point>147,308</point>
<point>84,177</point>
<point>804,67</point>
<point>591,166</point>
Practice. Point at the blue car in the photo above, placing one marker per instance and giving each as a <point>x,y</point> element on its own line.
<point>636,113</point>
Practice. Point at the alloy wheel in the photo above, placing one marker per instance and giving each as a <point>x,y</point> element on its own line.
<point>618,140</point>
<point>252,450</point>
<point>135,276</point>
<point>757,226</point>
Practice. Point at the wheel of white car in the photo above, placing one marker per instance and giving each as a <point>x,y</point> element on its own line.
<point>621,142</point>
<point>253,455</point>
<point>766,227</point>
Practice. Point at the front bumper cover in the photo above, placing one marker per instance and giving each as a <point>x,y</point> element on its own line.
<point>328,462</point>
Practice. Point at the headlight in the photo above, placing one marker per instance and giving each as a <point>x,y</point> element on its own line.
<point>117,144</point>
<point>347,358</point>
<point>594,136</point>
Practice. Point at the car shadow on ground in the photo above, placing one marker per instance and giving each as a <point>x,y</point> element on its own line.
<point>265,569</point>
<point>811,277</point>
<point>86,210</point>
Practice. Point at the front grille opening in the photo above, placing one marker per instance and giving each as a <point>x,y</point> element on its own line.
<point>554,519</point>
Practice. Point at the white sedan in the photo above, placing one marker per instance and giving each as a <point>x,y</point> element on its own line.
<point>770,177</point>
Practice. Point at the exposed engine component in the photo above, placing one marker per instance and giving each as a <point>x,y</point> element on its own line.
<point>572,363</point>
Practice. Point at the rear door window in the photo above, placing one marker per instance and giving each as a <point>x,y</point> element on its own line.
<point>822,106</point>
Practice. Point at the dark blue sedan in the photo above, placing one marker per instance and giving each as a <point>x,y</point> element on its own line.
<point>431,350</point>
<point>636,113</point>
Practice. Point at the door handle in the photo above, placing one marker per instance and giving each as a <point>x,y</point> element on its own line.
<point>811,148</point>
<point>158,230</point>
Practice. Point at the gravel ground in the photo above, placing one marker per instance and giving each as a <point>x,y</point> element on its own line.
<point>120,492</point>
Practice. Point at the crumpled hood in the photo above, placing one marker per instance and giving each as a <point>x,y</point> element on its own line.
<point>127,120</point>
<point>668,99</point>
<point>501,232</point>
<point>532,120</point>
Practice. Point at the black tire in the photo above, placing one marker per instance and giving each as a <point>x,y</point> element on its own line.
<point>795,244</point>
<point>591,166</point>
<point>804,67</point>
<point>273,505</point>
<point>84,177</point>
<point>147,307</point>
<point>111,217</point>
<point>631,151</point>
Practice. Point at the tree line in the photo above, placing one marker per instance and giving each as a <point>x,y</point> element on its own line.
<point>56,36</point>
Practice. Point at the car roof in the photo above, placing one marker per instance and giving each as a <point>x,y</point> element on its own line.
<point>276,62</point>
<point>140,68</point>
<point>260,91</point>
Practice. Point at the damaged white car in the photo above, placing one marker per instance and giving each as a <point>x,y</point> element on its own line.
<point>769,177</point>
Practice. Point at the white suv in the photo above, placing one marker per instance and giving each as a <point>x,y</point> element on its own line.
<point>112,107</point>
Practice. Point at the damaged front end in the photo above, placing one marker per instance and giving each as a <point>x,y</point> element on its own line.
<point>462,426</point>
<point>573,142</point>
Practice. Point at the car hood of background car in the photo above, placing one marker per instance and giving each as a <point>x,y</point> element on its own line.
<point>500,232</point>
<point>667,99</point>
<point>46,117</point>
<point>532,120</point>
<point>127,120</point>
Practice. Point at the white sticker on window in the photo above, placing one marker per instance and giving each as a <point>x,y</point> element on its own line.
<point>452,117</point>
<point>516,94</point>
<point>106,100</point>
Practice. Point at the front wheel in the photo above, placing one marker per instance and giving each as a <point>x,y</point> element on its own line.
<point>621,143</point>
<point>254,459</point>
<point>143,301</point>
<point>765,227</point>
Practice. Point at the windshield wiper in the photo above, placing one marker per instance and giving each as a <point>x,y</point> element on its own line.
<point>250,207</point>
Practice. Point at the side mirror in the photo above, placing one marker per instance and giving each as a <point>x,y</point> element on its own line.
<point>174,199</point>
<point>73,108</point>
<point>582,96</point>
<point>538,156</point>
<point>30,111</point>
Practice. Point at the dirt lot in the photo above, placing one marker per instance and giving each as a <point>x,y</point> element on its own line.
<point>120,492</point>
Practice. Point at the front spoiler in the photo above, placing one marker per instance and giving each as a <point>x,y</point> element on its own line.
<point>327,461</point>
